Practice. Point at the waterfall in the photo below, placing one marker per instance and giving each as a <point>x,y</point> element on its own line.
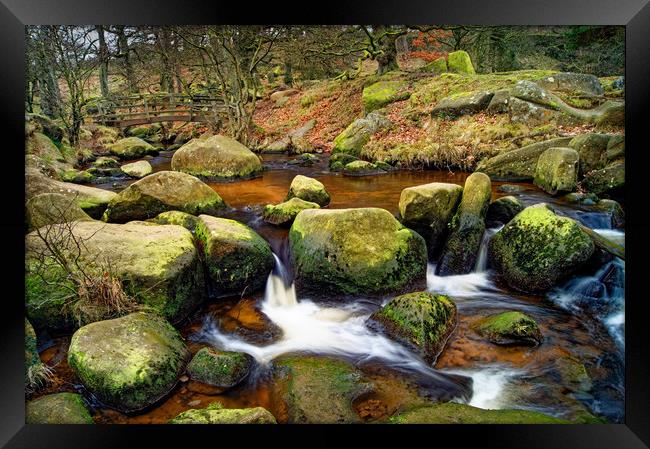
<point>280,290</point>
<point>482,259</point>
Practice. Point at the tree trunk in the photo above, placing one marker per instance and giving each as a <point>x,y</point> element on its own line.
<point>125,53</point>
<point>48,86</point>
<point>387,58</point>
<point>103,65</point>
<point>288,74</point>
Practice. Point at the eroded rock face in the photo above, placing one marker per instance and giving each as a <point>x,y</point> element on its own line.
<point>308,189</point>
<point>161,192</point>
<point>362,250</point>
<point>216,414</point>
<point>130,362</point>
<point>592,148</point>
<point>217,158</point>
<point>557,170</point>
<point>537,249</point>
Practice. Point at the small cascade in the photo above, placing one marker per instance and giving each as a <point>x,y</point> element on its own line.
<point>482,259</point>
<point>280,289</point>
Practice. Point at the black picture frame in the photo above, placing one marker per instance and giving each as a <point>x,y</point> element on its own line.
<point>634,14</point>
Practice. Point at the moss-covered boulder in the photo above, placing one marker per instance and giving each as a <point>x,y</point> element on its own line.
<point>461,248</point>
<point>92,200</point>
<point>130,362</point>
<point>220,369</point>
<point>575,83</point>
<point>217,158</point>
<point>557,170</point>
<point>159,267</point>
<point>319,390</point>
<point>361,168</point>
<point>421,321</point>
<point>342,159</point>
<point>615,148</point>
<point>612,115</point>
<point>532,92</point>
<point>437,66</point>
<point>428,209</point>
<point>283,214</point>
<point>463,103</point>
<point>59,408</point>
<point>358,133</point>
<point>537,249</point>
<point>138,169</point>
<point>216,414</point>
<point>453,413</point>
<point>592,148</point>
<point>502,210</point>
<point>519,164</point>
<point>131,148</point>
<point>460,62</point>
<point>160,192</point>
<point>614,209</point>
<point>77,176</point>
<point>237,258</point>
<point>176,217</point>
<point>500,102</point>
<point>609,180</point>
<point>509,328</point>
<point>308,189</point>
<point>572,374</point>
<point>381,93</point>
<point>363,250</point>
<point>51,208</point>
<point>105,162</point>
<point>532,114</point>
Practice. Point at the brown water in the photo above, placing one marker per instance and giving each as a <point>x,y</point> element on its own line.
<point>517,377</point>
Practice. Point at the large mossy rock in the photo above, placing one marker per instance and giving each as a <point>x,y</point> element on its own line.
<point>532,92</point>
<point>217,158</point>
<point>557,170</point>
<point>463,103</point>
<point>283,214</point>
<point>50,208</point>
<point>92,200</point>
<point>362,168</point>
<point>537,249</point>
<point>615,147</point>
<point>428,209</point>
<point>502,210</point>
<point>159,267</point>
<point>574,83</point>
<point>381,93</point>
<point>592,148</point>
<point>519,164</point>
<point>161,192</point>
<point>421,321</point>
<point>609,180</point>
<point>238,260</point>
<point>453,413</point>
<point>363,250</point>
<point>216,414</point>
<point>130,362</point>
<point>358,133</point>
<point>531,114</point>
<point>131,148</point>
<point>437,66</point>
<point>176,217</point>
<point>59,408</point>
<point>509,328</point>
<point>138,169</point>
<point>460,62</point>
<point>613,115</point>
<point>220,369</point>
<point>461,249</point>
<point>308,189</point>
<point>614,209</point>
<point>319,390</point>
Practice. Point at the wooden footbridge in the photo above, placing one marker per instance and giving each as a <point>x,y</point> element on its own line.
<point>144,109</point>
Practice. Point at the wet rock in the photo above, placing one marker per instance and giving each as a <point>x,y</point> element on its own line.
<point>537,249</point>
<point>50,208</point>
<point>467,226</point>
<point>60,408</point>
<point>216,414</point>
<point>557,170</point>
<point>428,209</point>
<point>283,214</point>
<point>130,362</point>
<point>294,141</point>
<point>217,158</point>
<point>308,189</point>
<point>138,169</point>
<point>381,93</point>
<point>363,250</point>
<point>131,148</point>
<point>592,149</point>
<point>161,192</point>
<point>105,162</point>
<point>615,210</point>
<point>219,368</point>
<point>77,176</point>
<point>586,199</point>
<point>319,390</point>
<point>460,62</point>
<point>237,258</point>
<point>510,188</point>
<point>609,180</point>
<point>421,321</point>
<point>437,66</point>
<point>509,328</point>
<point>463,103</point>
<point>502,210</point>
<point>175,217</point>
<point>341,158</point>
<point>572,374</point>
<point>361,168</point>
<point>357,134</point>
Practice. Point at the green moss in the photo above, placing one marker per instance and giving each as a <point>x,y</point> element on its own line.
<point>175,217</point>
<point>216,414</point>
<point>557,170</point>
<point>460,62</point>
<point>76,176</point>
<point>436,66</point>
<point>131,148</point>
<point>509,328</point>
<point>219,368</point>
<point>285,213</point>
<point>60,408</point>
<point>308,189</point>
<point>47,291</point>
<point>341,158</point>
<point>381,93</point>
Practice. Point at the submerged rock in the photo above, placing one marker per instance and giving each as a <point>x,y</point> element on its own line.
<point>537,249</point>
<point>217,158</point>
<point>461,249</point>
<point>219,368</point>
<point>216,414</point>
<point>284,213</point>
<point>308,189</point>
<point>357,134</point>
<point>59,408</point>
<point>509,328</point>
<point>557,170</point>
<point>428,209</point>
<point>237,258</point>
<point>130,362</point>
<point>502,210</point>
<point>421,321</point>
<point>609,180</point>
<point>131,148</point>
<point>50,208</point>
<point>138,169</point>
<point>381,93</point>
<point>363,250</point>
<point>161,192</point>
